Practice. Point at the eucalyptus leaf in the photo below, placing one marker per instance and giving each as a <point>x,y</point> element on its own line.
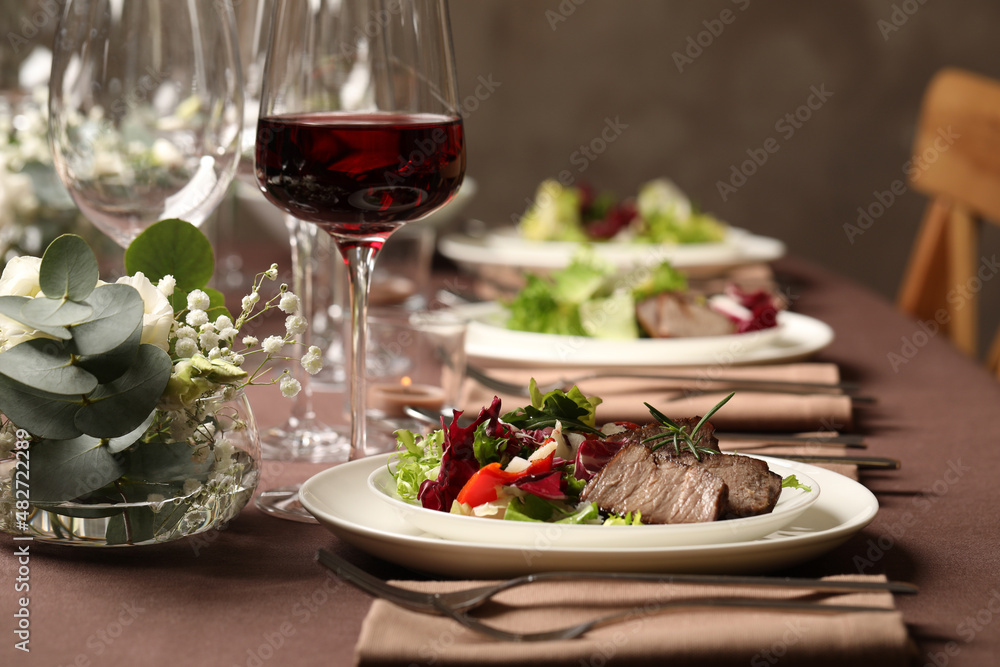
<point>41,413</point>
<point>118,407</point>
<point>123,442</point>
<point>169,462</point>
<point>112,364</point>
<point>47,365</point>
<point>117,309</point>
<point>172,247</point>
<point>69,269</point>
<point>10,306</point>
<point>216,304</point>
<point>134,525</point>
<point>147,520</point>
<point>169,516</point>
<point>45,312</point>
<point>67,469</point>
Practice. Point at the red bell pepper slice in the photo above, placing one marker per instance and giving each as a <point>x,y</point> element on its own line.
<point>482,486</point>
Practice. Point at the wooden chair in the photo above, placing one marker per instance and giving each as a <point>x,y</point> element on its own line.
<point>956,163</point>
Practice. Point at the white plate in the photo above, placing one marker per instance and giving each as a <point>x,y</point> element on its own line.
<point>341,500</point>
<point>791,504</point>
<point>795,337</point>
<point>503,247</point>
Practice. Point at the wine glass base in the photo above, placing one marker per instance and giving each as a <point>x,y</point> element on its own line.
<point>306,441</point>
<point>283,502</point>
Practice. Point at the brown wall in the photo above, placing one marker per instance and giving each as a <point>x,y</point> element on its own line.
<point>555,84</point>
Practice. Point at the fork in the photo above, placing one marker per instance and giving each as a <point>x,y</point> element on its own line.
<point>574,631</point>
<point>456,604</point>
<point>469,599</point>
<point>772,386</point>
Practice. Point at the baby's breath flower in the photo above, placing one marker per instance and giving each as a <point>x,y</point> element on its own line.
<point>190,486</point>
<point>198,300</point>
<point>196,317</point>
<point>228,333</point>
<point>272,273</point>
<point>289,386</point>
<point>289,303</point>
<point>216,353</point>
<point>295,325</point>
<point>167,285</point>
<point>207,327</point>
<point>272,344</point>
<point>186,332</point>
<point>249,341</point>
<point>236,359</point>
<point>222,322</point>
<point>250,300</point>
<point>312,360</point>
<point>186,348</point>
<point>208,340</point>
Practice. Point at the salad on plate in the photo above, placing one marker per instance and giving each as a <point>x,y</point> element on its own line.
<point>594,299</point>
<point>550,462</point>
<point>659,213</point>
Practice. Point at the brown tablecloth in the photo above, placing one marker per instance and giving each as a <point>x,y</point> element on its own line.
<point>251,594</point>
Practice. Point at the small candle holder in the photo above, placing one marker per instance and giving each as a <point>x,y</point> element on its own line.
<point>415,359</point>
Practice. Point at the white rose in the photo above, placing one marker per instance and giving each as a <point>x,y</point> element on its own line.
<point>158,314</point>
<point>20,278</point>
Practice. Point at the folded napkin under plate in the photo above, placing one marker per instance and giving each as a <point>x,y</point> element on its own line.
<point>688,636</point>
<point>748,410</point>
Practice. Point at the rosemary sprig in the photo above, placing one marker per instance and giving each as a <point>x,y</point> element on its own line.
<point>680,435</point>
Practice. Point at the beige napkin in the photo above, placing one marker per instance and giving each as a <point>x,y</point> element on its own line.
<point>747,411</point>
<point>394,636</point>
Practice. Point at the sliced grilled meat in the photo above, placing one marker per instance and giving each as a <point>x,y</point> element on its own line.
<point>664,491</point>
<point>672,315</point>
<point>753,488</point>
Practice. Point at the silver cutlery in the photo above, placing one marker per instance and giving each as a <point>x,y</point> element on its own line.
<point>769,386</point>
<point>574,631</point>
<point>862,462</point>
<point>846,439</point>
<point>456,604</point>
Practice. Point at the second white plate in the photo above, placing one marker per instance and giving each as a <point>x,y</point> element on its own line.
<point>502,247</point>
<point>795,337</point>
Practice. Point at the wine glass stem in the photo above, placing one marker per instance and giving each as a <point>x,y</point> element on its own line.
<point>302,238</point>
<point>360,264</point>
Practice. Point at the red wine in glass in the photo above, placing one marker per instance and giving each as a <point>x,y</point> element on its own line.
<point>360,174</point>
<point>359,132</point>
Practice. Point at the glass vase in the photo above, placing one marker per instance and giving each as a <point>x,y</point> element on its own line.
<point>194,469</point>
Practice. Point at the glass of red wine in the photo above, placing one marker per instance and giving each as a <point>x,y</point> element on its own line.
<point>359,133</point>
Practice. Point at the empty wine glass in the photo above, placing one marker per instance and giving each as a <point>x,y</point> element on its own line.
<point>359,132</point>
<point>145,109</point>
<point>253,27</point>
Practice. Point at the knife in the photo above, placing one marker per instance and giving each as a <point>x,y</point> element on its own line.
<point>862,462</point>
<point>848,439</point>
